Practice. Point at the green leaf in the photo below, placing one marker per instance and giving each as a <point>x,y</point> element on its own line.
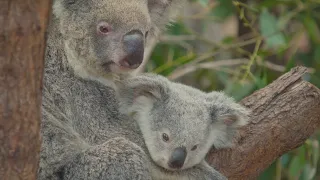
<point>228,40</point>
<point>315,152</point>
<point>261,82</point>
<point>295,167</point>
<point>290,64</point>
<point>238,90</point>
<point>269,173</point>
<point>316,55</point>
<point>297,164</point>
<point>204,2</point>
<point>285,160</point>
<point>274,3</point>
<point>308,172</point>
<point>310,167</point>
<point>270,31</point>
<point>224,9</point>
<point>312,28</point>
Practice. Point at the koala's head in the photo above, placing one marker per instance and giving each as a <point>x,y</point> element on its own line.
<point>180,123</point>
<point>107,36</point>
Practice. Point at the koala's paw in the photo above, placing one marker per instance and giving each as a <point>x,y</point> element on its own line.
<point>116,159</point>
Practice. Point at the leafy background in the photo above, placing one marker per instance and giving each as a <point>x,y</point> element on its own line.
<point>241,46</point>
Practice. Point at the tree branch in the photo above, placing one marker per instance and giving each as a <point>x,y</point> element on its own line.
<point>22,44</point>
<point>284,115</point>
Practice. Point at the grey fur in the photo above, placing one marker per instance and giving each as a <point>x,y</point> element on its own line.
<point>84,135</point>
<point>189,116</point>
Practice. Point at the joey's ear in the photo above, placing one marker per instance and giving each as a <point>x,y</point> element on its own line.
<point>141,91</point>
<point>230,114</point>
<point>224,110</point>
<point>226,115</point>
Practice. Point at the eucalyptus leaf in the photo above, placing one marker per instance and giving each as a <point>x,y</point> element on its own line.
<point>270,31</point>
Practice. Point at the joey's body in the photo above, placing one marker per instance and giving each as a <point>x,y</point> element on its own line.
<point>179,124</point>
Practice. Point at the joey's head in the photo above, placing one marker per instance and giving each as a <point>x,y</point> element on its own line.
<point>103,37</point>
<point>179,123</point>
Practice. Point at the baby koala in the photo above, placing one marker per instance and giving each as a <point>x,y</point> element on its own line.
<point>180,124</point>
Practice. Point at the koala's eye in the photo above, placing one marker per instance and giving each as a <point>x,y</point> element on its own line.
<point>194,147</point>
<point>146,35</point>
<point>165,137</point>
<point>103,28</point>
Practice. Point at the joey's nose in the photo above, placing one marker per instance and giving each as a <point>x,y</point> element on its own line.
<point>177,158</point>
<point>133,43</point>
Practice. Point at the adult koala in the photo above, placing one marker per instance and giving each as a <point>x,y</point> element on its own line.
<point>90,43</point>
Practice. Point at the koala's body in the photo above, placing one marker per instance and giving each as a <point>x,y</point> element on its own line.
<point>90,44</point>
<point>179,125</point>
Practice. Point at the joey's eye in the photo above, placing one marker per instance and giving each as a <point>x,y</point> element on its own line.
<point>146,35</point>
<point>194,147</point>
<point>103,28</point>
<point>165,137</point>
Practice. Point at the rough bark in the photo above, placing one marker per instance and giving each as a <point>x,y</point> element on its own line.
<point>22,43</point>
<point>284,115</point>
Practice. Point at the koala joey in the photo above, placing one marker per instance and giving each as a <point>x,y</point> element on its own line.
<point>90,44</point>
<point>180,124</point>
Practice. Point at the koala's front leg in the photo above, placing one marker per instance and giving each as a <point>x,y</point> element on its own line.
<point>116,159</point>
<point>204,171</point>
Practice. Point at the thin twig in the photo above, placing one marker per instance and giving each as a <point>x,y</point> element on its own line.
<point>217,65</point>
<point>207,65</point>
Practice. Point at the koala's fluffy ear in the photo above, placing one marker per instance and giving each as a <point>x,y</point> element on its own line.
<point>61,7</point>
<point>139,92</point>
<point>226,116</point>
<point>163,11</point>
<point>225,110</point>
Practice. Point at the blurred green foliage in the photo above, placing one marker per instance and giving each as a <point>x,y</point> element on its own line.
<point>271,37</point>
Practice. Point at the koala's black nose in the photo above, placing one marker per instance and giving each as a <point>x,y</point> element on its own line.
<point>133,43</point>
<point>177,158</point>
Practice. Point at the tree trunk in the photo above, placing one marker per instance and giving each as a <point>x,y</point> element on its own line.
<point>22,43</point>
<point>284,115</point>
